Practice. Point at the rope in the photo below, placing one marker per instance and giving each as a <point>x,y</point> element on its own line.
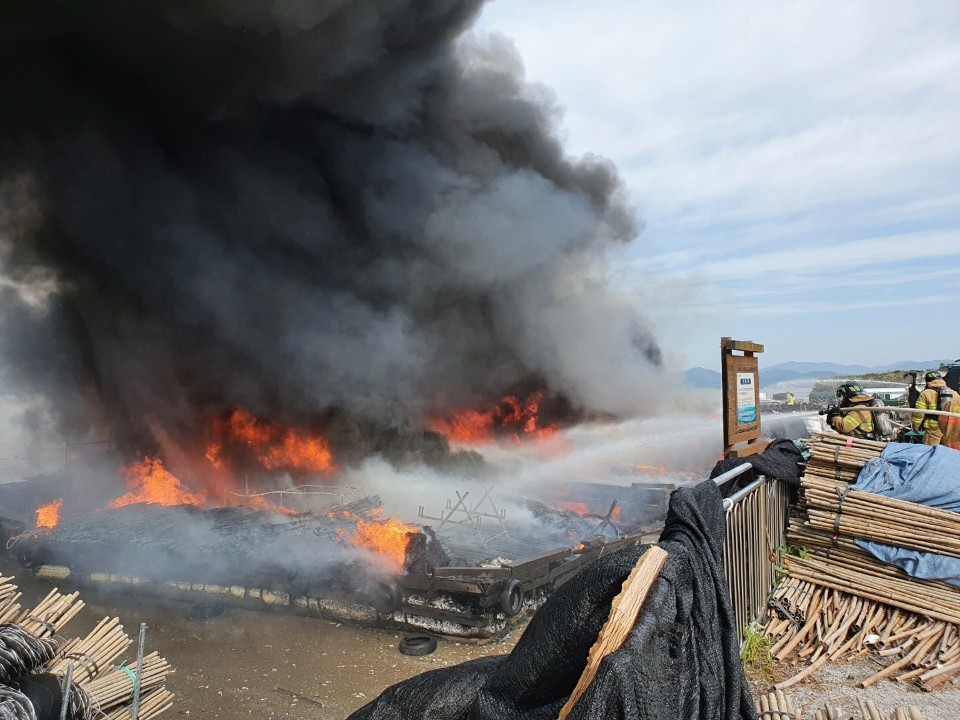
<point>133,678</point>
<point>50,627</point>
<point>17,538</point>
<point>836,523</point>
<point>87,661</point>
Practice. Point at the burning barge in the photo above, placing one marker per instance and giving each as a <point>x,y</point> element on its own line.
<point>346,563</point>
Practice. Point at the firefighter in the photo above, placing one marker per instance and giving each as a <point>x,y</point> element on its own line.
<point>858,423</point>
<point>950,426</point>
<point>929,400</point>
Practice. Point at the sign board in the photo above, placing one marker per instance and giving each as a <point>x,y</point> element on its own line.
<point>741,397</point>
<point>746,398</point>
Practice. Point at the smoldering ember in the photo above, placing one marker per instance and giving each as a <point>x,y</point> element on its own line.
<point>319,315</point>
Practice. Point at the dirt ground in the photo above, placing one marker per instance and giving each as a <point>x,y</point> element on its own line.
<point>245,663</point>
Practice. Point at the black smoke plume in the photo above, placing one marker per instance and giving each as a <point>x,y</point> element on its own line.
<point>297,206</point>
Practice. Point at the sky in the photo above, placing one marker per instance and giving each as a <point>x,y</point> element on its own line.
<point>797,165</point>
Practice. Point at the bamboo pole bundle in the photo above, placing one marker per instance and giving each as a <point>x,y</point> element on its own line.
<point>843,557</point>
<point>91,655</point>
<point>116,686</point>
<point>858,605</point>
<point>879,585</point>
<point>95,685</point>
<point>881,519</point>
<point>151,705</point>
<point>51,614</point>
<point>833,439</point>
<point>7,590</point>
<point>868,711</point>
<point>9,595</point>
<point>776,706</point>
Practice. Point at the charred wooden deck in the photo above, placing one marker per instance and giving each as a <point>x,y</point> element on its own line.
<point>241,557</point>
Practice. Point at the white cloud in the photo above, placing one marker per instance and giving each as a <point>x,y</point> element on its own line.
<point>852,257</point>
<point>767,145</point>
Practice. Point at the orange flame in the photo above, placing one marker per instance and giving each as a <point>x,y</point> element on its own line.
<point>388,538</point>
<point>244,427</point>
<point>49,515</point>
<point>273,447</point>
<point>468,426</point>
<point>213,454</point>
<point>512,416</point>
<point>651,468</point>
<point>150,482</point>
<point>297,452</point>
<point>582,508</point>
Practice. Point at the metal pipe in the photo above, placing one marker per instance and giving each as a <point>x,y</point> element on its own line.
<point>136,685</point>
<point>731,474</point>
<point>742,492</point>
<point>65,700</point>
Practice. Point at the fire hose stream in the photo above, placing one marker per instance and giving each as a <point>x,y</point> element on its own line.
<point>900,410</point>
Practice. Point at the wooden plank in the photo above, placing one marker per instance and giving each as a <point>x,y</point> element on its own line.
<point>473,573</point>
<point>425,583</point>
<point>549,556</point>
<point>623,615</point>
<point>754,447</point>
<point>741,345</point>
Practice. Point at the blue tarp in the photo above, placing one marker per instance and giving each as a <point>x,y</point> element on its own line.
<point>928,475</point>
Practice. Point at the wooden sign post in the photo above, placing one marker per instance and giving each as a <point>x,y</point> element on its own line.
<point>741,398</point>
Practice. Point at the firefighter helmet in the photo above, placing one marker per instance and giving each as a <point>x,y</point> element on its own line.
<point>848,390</point>
<point>932,375</point>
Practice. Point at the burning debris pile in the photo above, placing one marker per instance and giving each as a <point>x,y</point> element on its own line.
<point>40,671</point>
<point>348,551</point>
<point>349,562</point>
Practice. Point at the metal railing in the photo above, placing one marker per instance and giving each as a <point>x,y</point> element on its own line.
<point>756,531</point>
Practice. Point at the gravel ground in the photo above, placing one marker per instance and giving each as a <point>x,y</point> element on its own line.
<point>259,664</point>
<point>837,684</point>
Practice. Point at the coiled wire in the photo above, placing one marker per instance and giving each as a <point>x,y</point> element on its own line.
<point>22,653</point>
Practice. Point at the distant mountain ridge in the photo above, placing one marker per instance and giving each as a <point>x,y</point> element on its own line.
<point>699,377</point>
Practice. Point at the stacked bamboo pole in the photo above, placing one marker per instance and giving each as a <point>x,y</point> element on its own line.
<point>96,685</point>
<point>881,519</point>
<point>115,686</point>
<point>777,706</point>
<point>151,705</point>
<point>839,602</point>
<point>51,614</point>
<point>9,607</point>
<point>101,647</point>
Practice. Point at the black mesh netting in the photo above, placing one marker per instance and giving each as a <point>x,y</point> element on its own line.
<point>681,660</point>
<point>781,459</point>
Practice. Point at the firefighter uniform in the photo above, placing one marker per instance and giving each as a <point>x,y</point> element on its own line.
<point>950,426</point>
<point>929,400</point>
<point>858,423</point>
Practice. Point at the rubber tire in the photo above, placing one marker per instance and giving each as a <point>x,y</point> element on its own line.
<point>511,599</point>
<point>419,644</point>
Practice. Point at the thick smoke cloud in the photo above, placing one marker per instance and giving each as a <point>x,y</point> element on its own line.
<point>295,206</point>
